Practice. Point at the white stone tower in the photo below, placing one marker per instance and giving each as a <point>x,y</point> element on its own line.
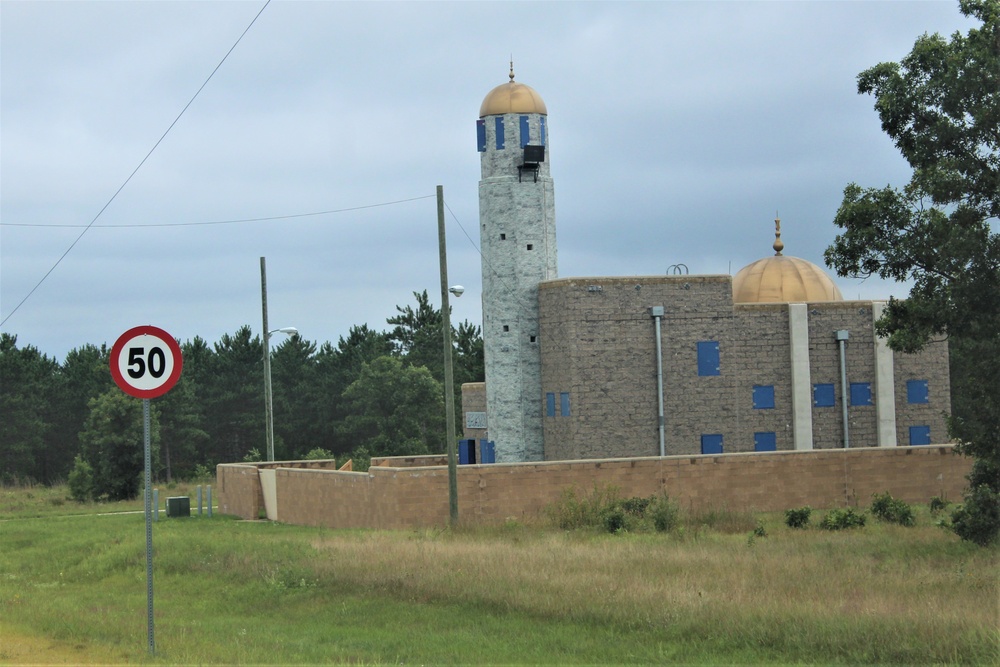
<point>518,241</point>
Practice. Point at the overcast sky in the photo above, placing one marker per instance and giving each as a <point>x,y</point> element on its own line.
<point>676,131</point>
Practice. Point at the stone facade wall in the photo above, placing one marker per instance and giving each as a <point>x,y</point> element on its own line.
<point>409,497</point>
<point>930,364</point>
<point>598,356</point>
<point>761,357</point>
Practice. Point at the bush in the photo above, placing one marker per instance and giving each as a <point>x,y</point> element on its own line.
<point>840,519</point>
<point>319,454</point>
<point>978,518</point>
<point>615,520</point>
<point>81,480</point>
<point>202,471</point>
<point>938,504</point>
<point>892,510</point>
<point>572,511</point>
<point>798,518</point>
<point>664,513</point>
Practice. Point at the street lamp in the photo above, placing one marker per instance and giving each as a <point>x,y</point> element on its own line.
<point>269,405</point>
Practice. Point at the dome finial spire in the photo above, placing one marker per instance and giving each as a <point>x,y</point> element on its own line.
<point>778,245</point>
<point>511,68</point>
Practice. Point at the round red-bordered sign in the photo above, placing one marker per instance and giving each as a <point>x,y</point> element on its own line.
<point>146,362</point>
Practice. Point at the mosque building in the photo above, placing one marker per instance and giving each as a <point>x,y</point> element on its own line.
<point>770,359</point>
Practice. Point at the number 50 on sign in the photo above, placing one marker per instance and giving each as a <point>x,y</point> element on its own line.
<point>145,362</point>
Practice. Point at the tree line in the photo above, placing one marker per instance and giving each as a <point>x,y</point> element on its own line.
<point>374,393</point>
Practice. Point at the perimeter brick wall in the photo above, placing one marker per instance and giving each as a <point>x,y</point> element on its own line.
<point>403,494</point>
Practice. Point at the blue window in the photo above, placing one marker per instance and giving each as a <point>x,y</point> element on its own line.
<point>823,396</point>
<point>920,435</point>
<point>763,396</point>
<point>550,404</point>
<point>708,357</point>
<point>481,135</point>
<point>861,393</point>
<point>500,138</point>
<point>711,443</point>
<point>765,442</point>
<point>564,403</point>
<point>525,132</point>
<point>917,391</point>
<point>541,129</point>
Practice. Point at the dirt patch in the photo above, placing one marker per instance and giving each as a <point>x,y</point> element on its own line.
<point>18,647</point>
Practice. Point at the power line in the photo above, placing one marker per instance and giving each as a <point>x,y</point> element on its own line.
<point>223,222</point>
<point>134,171</point>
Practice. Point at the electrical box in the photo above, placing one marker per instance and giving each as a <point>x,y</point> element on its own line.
<point>178,506</point>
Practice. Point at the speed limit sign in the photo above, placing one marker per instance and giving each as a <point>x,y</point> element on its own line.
<point>146,362</point>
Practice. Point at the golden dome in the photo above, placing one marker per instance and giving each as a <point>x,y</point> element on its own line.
<point>781,279</point>
<point>512,97</point>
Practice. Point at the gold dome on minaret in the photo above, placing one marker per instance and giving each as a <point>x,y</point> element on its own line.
<point>512,97</point>
<point>781,279</point>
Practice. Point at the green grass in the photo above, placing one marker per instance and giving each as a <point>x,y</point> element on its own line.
<point>234,592</point>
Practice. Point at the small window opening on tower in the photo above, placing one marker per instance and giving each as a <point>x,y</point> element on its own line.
<point>503,237</point>
<point>532,338</point>
<point>506,328</point>
<point>531,246</point>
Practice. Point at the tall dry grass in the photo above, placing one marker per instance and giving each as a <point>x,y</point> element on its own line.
<point>858,594</point>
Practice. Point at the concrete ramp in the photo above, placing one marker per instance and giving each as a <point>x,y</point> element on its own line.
<point>269,486</point>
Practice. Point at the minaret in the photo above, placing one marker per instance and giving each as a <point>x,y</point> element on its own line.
<point>518,242</point>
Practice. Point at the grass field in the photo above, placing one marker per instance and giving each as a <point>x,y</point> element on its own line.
<point>72,591</point>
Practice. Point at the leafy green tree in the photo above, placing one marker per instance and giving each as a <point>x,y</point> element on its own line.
<point>113,443</point>
<point>83,376</point>
<point>234,397</point>
<point>396,409</point>
<point>27,379</point>
<point>941,107</point>
<point>336,368</point>
<point>416,335</point>
<point>295,397</point>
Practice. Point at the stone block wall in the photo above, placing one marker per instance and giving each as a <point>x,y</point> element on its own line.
<point>411,497</point>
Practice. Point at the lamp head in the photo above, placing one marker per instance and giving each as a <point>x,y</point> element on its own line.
<point>457,290</point>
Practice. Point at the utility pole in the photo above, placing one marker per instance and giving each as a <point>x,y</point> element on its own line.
<point>449,376</point>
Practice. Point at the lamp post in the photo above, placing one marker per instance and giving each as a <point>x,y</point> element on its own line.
<point>268,405</point>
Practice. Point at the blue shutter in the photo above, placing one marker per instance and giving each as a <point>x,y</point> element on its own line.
<point>708,357</point>
<point>481,135</point>
<point>920,435</point>
<point>525,132</point>
<point>763,396</point>
<point>917,391</point>
<point>550,404</point>
<point>861,393</point>
<point>765,442</point>
<point>823,396</point>
<point>711,443</point>
<point>541,129</point>
<point>564,403</point>
<point>500,137</point>
<point>487,452</point>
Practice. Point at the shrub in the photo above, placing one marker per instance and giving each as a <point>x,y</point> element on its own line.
<point>938,504</point>
<point>798,518</point>
<point>319,454</point>
<point>978,518</point>
<point>892,510</point>
<point>253,456</point>
<point>202,471</point>
<point>615,520</point>
<point>839,519</point>
<point>572,511</point>
<point>664,513</point>
<point>81,480</point>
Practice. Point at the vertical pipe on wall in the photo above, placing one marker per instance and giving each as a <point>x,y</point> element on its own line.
<point>657,313</point>
<point>842,336</point>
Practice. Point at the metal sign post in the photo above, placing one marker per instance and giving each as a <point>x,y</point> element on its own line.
<point>146,363</point>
